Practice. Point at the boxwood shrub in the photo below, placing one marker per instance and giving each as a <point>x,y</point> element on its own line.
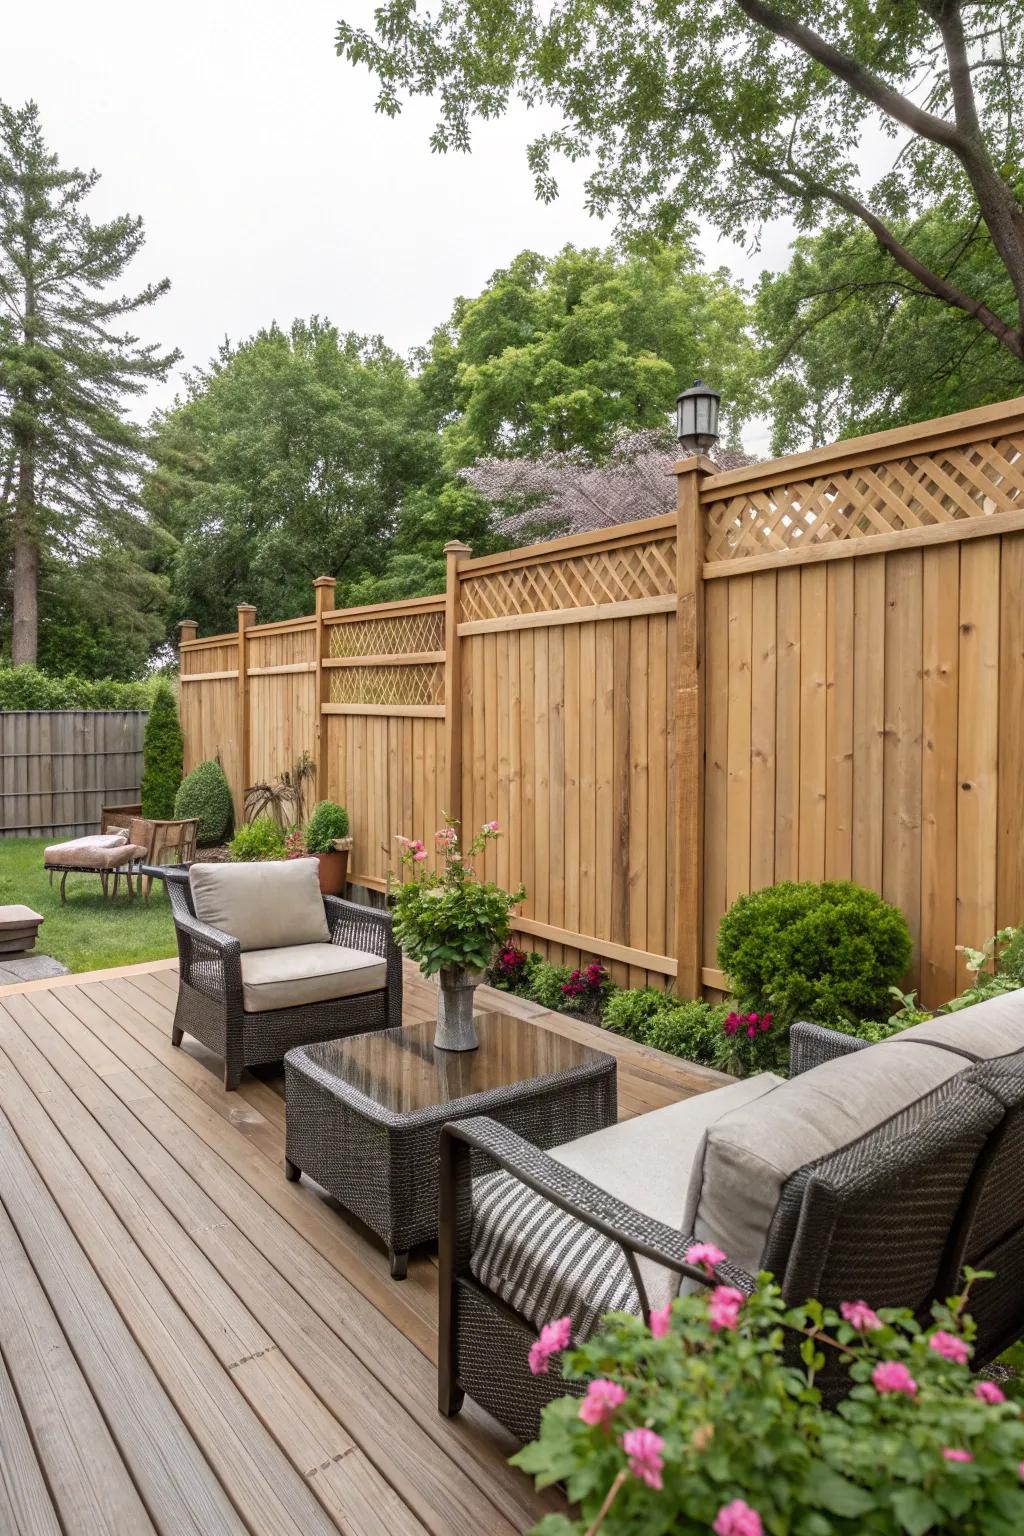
<point>205,793</point>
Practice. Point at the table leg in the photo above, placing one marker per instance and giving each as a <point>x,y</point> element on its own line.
<point>399,1263</point>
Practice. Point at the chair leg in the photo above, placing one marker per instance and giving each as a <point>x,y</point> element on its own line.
<point>105,884</point>
<point>63,883</point>
<point>176,1034</point>
<point>292,1171</point>
<point>232,1076</point>
<point>146,881</point>
<point>398,1263</point>
<point>117,876</point>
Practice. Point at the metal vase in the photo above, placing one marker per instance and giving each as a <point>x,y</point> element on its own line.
<point>455,1028</point>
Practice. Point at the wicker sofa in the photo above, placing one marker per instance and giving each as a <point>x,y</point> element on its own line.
<point>266,962</point>
<point>874,1171</point>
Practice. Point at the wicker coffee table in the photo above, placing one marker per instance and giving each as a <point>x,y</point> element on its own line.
<point>364,1114</point>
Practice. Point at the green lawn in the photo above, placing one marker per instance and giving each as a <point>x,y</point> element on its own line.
<point>88,933</point>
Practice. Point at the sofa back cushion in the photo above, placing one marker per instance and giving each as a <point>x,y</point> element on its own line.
<point>980,1033</point>
<point>749,1154</point>
<point>263,906</point>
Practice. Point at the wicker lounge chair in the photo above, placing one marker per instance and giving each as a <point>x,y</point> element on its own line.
<point>266,962</point>
<point>874,1171</point>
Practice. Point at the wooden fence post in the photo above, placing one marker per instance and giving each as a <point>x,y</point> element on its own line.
<point>323,591</point>
<point>246,618</point>
<point>689,724</point>
<point>457,553</point>
<point>188,629</point>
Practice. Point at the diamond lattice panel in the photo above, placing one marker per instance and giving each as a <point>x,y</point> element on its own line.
<point>607,576</point>
<point>400,635</point>
<point>920,491</point>
<point>388,685</point>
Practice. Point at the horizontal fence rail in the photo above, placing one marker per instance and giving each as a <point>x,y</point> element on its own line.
<point>58,768</point>
<point>813,669</point>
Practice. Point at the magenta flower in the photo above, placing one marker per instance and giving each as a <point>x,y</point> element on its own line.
<point>950,1347</point>
<point>661,1321</point>
<point>737,1519</point>
<point>490,826</point>
<point>601,1401</point>
<point>644,1447</point>
<point>953,1453</point>
<point>446,835</point>
<point>988,1392</point>
<point>891,1376</point>
<point>708,1254</point>
<point>1020,1471</point>
<point>724,1307</point>
<point>554,1337</point>
<point>860,1316</point>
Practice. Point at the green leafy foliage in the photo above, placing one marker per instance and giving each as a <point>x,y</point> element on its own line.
<point>162,754</point>
<point>688,1028</point>
<point>205,793</point>
<point>824,952</point>
<point>27,687</point>
<point>327,821</point>
<point>1011,957</point>
<point>545,984</point>
<point>738,1425</point>
<point>260,840</point>
<point>446,917</point>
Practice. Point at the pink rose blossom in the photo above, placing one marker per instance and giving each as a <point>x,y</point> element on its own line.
<point>953,1453</point>
<point>737,1519</point>
<point>554,1337</point>
<point>601,1401</point>
<point>644,1447</point>
<point>988,1392</point>
<point>420,856</point>
<point>661,1320</point>
<point>893,1376</point>
<point>860,1316</point>
<point>1020,1471</point>
<point>707,1254</point>
<point>950,1347</point>
<point>724,1307</point>
<point>490,826</point>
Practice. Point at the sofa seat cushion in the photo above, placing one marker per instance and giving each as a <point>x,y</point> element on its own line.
<point>546,1263</point>
<point>980,1033</point>
<point>749,1153</point>
<point>298,974</point>
<point>262,905</point>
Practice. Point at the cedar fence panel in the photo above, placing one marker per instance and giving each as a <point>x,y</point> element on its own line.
<point>815,669</point>
<point>58,768</point>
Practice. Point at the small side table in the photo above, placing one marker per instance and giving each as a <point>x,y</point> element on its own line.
<point>19,928</point>
<point>364,1114</point>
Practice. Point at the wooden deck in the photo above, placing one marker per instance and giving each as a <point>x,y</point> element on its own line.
<point>189,1344</point>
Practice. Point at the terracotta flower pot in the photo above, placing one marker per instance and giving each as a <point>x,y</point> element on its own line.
<point>334,867</point>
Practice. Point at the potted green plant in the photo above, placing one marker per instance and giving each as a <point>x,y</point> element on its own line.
<point>451,923</point>
<point>326,837</point>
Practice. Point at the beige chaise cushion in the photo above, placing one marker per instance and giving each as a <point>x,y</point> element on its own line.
<point>263,906</point>
<point>102,851</point>
<point>749,1153</point>
<point>300,974</point>
<point>981,1032</point>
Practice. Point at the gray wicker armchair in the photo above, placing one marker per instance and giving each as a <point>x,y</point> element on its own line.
<point>215,984</point>
<point>891,1216</point>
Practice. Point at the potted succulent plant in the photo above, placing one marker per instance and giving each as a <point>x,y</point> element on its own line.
<point>451,923</point>
<point>326,837</point>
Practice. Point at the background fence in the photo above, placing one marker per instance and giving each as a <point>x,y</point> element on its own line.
<point>58,768</point>
<point>814,669</point>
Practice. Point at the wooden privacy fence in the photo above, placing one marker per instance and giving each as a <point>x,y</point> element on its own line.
<point>59,767</point>
<point>813,669</point>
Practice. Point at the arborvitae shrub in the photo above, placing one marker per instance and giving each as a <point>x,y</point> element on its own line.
<point>162,755</point>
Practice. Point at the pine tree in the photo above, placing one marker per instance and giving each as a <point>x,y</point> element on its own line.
<point>69,455</point>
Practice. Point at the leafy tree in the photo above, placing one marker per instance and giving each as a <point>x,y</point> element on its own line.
<point>69,455</point>
<point>563,353</point>
<point>846,351</point>
<point>742,110</point>
<point>290,457</point>
<point>162,754</point>
<point>104,616</point>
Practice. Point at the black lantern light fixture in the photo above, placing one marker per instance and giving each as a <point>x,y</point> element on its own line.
<point>697,417</point>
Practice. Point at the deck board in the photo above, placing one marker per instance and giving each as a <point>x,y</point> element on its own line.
<point>188,1342</point>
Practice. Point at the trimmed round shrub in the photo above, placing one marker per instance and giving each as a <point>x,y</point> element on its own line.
<point>825,952</point>
<point>327,821</point>
<point>205,793</point>
<point>162,754</point>
<point>261,840</point>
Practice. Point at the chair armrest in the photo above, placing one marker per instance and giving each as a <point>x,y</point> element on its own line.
<point>811,1044</point>
<point>634,1232</point>
<point>359,927</point>
<point>208,959</point>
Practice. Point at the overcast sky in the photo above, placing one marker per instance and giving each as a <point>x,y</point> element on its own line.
<point>268,185</point>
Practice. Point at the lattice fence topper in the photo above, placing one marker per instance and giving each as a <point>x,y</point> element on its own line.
<point>388,685</point>
<point>919,491</point>
<point>582,581</point>
<point>397,635</point>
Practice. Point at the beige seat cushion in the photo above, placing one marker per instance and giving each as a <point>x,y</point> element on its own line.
<point>299,974</point>
<point>263,906</point>
<point>750,1152</point>
<point>104,851</point>
<point>981,1032</point>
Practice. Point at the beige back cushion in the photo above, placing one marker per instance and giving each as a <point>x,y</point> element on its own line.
<point>748,1154</point>
<point>981,1032</point>
<point>263,906</point>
